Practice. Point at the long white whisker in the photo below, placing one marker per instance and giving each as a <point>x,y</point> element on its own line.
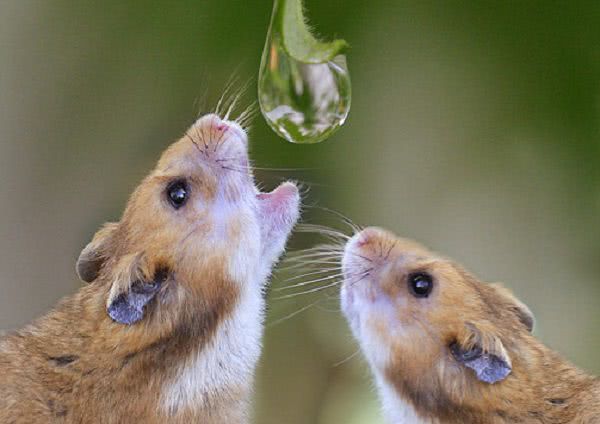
<point>316,289</point>
<point>316,256</point>
<point>307,265</point>
<point>317,249</point>
<point>306,283</point>
<point>235,100</point>
<point>346,220</point>
<point>343,361</point>
<point>247,114</point>
<point>321,248</point>
<point>334,247</point>
<point>293,314</point>
<point>232,81</point>
<point>321,271</point>
<point>311,228</point>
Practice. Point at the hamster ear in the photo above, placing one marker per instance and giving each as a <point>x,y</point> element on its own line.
<point>133,289</point>
<point>484,354</point>
<point>516,306</point>
<point>93,256</point>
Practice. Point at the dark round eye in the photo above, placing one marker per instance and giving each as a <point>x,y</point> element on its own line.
<point>420,284</point>
<point>177,193</point>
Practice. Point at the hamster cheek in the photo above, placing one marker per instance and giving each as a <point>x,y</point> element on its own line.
<point>375,323</point>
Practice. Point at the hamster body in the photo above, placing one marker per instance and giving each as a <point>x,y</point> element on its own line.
<point>447,348</point>
<point>169,328</point>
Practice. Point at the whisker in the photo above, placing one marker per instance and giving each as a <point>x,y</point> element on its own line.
<point>321,271</point>
<point>305,264</point>
<point>200,103</point>
<point>293,314</point>
<point>258,168</point>
<point>232,81</point>
<point>235,99</point>
<point>364,275</point>
<point>232,169</point>
<point>361,256</point>
<point>218,142</point>
<point>392,245</point>
<point>204,138</point>
<point>200,137</point>
<point>310,260</point>
<point>306,283</point>
<point>345,219</point>
<point>323,248</point>
<point>316,289</point>
<point>317,249</point>
<point>193,142</point>
<point>343,361</point>
<point>247,114</point>
<point>331,255</point>
<point>229,159</point>
<point>360,274</point>
<point>321,229</point>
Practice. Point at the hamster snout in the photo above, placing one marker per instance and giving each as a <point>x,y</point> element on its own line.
<point>371,258</point>
<point>220,142</point>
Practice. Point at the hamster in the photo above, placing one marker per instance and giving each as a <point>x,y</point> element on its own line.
<point>169,328</point>
<point>446,348</point>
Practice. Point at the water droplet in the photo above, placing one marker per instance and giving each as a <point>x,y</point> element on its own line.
<point>302,102</point>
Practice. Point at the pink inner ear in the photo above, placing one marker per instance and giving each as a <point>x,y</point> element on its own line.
<point>278,199</point>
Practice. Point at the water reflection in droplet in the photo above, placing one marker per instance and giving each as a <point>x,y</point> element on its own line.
<point>302,102</point>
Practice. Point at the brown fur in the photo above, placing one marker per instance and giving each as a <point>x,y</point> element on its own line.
<point>76,365</point>
<point>542,387</point>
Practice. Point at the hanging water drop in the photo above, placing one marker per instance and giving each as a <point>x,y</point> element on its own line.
<point>307,100</point>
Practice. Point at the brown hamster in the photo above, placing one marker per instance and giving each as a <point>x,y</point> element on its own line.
<point>447,348</point>
<point>169,328</point>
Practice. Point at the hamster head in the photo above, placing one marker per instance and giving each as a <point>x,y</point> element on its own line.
<point>197,222</point>
<point>427,327</point>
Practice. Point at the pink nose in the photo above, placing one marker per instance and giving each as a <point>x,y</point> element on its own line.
<point>220,127</point>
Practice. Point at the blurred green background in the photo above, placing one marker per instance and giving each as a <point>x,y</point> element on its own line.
<point>475,128</point>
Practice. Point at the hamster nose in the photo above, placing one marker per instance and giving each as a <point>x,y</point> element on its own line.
<point>220,131</point>
<point>221,128</point>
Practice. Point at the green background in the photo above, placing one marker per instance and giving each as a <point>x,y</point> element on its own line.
<point>475,129</point>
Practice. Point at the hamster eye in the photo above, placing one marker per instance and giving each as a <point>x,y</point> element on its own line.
<point>420,284</point>
<point>177,193</point>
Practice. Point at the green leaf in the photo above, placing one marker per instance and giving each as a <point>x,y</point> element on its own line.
<point>296,37</point>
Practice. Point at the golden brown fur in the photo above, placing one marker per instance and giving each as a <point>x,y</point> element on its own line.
<point>407,341</point>
<point>77,365</point>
